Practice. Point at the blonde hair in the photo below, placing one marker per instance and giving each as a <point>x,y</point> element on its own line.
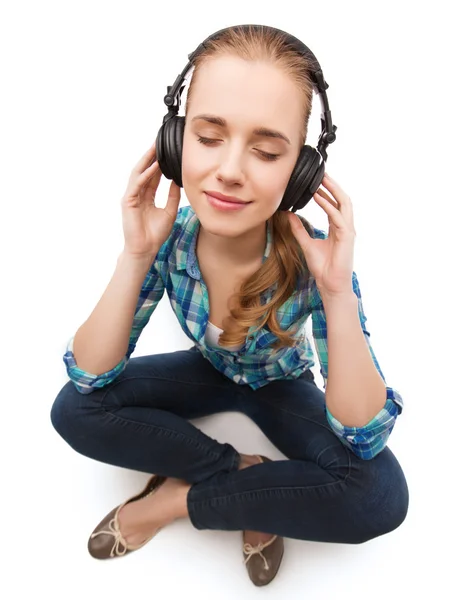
<point>286,264</point>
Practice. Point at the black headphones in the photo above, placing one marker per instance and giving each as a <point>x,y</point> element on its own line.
<point>309,170</point>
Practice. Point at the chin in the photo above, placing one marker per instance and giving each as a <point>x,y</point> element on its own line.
<point>217,225</point>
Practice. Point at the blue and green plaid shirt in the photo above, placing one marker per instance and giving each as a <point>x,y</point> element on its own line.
<point>255,363</point>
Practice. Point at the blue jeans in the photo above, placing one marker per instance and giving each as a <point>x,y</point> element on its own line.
<point>323,492</point>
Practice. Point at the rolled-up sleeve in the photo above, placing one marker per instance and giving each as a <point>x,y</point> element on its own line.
<point>84,381</point>
<point>368,441</point>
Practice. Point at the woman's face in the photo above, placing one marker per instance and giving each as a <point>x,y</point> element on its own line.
<point>236,160</point>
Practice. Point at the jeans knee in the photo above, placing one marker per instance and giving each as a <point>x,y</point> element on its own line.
<point>398,507</point>
<point>67,412</point>
<point>397,497</point>
<point>389,511</point>
<point>60,408</point>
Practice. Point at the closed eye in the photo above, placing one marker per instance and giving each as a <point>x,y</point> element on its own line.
<point>211,142</point>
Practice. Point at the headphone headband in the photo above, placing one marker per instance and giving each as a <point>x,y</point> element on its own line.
<point>327,136</point>
<point>292,41</point>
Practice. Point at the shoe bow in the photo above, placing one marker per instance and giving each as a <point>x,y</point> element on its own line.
<point>118,541</point>
<point>250,550</point>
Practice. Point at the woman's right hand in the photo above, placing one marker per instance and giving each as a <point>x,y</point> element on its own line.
<point>145,226</point>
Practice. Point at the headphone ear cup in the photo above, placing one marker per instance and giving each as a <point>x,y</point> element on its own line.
<point>168,146</point>
<point>304,180</point>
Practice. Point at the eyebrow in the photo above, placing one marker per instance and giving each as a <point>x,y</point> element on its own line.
<point>261,131</point>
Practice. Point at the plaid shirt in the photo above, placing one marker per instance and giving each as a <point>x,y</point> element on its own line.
<point>255,363</point>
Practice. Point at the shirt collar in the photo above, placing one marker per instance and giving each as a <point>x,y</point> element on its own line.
<point>185,254</point>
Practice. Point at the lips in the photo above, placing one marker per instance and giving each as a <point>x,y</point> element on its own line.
<point>232,199</point>
<point>224,205</point>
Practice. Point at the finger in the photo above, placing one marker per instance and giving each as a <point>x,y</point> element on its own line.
<point>174,197</point>
<point>151,184</point>
<point>333,213</point>
<point>146,159</point>
<point>299,230</point>
<point>150,177</point>
<point>343,199</point>
<point>328,197</point>
<point>150,173</point>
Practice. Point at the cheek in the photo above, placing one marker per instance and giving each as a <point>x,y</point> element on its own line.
<point>273,187</point>
<point>284,177</point>
<point>275,180</point>
<point>189,166</point>
<point>192,163</point>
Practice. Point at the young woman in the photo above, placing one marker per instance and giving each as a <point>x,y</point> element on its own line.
<point>243,274</point>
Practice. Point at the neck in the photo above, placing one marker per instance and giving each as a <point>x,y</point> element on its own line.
<point>240,251</point>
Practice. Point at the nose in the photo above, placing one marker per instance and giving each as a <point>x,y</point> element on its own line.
<point>230,168</point>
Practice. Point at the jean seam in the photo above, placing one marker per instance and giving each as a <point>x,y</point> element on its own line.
<point>162,429</point>
<point>234,466</point>
<point>248,495</point>
<point>192,504</point>
<point>174,379</point>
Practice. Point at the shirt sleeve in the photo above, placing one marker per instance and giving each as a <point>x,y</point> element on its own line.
<point>150,295</point>
<point>369,440</point>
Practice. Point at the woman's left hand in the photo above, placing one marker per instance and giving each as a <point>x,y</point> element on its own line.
<point>331,260</point>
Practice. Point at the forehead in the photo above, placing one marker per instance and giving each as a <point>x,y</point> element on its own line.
<point>247,94</point>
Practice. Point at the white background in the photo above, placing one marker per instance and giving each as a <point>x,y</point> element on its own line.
<point>81,101</point>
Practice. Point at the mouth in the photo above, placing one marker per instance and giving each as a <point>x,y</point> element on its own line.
<point>226,205</point>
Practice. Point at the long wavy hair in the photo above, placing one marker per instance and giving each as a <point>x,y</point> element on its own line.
<point>286,264</point>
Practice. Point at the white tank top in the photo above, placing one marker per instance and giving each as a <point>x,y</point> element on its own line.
<point>212,335</point>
